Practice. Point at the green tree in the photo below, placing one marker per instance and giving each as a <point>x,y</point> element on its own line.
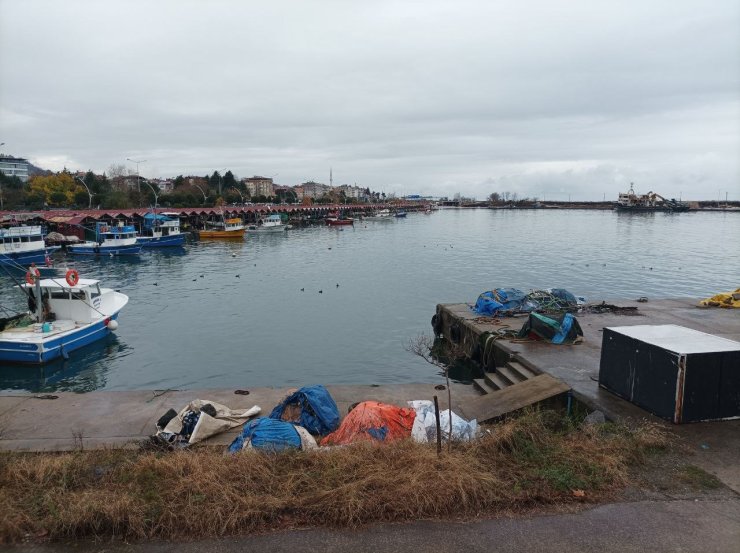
<point>229,180</point>
<point>116,199</point>
<point>81,198</point>
<point>179,181</point>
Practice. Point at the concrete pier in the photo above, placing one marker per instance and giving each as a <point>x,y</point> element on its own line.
<point>716,445</point>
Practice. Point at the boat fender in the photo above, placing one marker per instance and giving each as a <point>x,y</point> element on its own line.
<point>32,275</point>
<point>72,277</point>
<point>455,333</point>
<point>437,325</point>
<point>112,325</point>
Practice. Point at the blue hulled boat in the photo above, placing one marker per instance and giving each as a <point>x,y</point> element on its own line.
<point>160,231</point>
<point>21,246</point>
<point>109,240</point>
<point>65,315</point>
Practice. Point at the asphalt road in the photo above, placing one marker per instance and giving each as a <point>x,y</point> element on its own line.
<point>670,526</point>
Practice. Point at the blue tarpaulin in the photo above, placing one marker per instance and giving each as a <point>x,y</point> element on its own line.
<point>318,411</point>
<point>267,434</point>
<point>503,299</point>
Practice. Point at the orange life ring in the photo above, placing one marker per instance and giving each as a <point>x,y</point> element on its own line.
<point>32,275</point>
<point>72,277</point>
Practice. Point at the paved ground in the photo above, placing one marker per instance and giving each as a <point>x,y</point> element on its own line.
<point>669,526</point>
<point>116,419</point>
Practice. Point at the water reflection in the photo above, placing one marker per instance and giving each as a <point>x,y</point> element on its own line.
<point>85,370</point>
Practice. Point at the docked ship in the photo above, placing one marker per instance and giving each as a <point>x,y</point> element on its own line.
<point>631,202</point>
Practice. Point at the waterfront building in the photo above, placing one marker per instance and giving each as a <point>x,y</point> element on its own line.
<point>314,190</point>
<point>259,186</point>
<point>14,167</point>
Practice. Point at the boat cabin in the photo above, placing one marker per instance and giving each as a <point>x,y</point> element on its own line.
<point>16,239</point>
<point>108,233</point>
<point>228,224</point>
<point>80,303</point>
<point>161,225</point>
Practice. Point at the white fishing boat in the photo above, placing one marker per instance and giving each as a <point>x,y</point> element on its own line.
<point>380,215</point>
<point>65,314</point>
<point>271,224</point>
<point>20,246</point>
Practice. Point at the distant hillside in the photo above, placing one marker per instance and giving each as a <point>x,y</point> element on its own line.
<point>33,170</point>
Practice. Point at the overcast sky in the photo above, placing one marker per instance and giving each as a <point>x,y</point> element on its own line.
<point>542,98</point>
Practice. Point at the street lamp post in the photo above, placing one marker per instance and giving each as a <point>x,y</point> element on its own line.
<point>138,179</point>
<point>156,196</point>
<point>90,194</point>
<point>201,191</point>
<point>234,188</point>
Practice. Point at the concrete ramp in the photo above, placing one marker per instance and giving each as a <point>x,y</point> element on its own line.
<point>513,397</point>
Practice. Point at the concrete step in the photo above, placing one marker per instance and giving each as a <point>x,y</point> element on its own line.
<point>510,375</point>
<point>495,381</point>
<point>483,386</point>
<point>523,371</point>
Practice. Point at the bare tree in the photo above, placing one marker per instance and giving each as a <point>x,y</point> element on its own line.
<point>423,346</point>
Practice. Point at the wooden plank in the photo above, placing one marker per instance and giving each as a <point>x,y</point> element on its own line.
<point>513,397</point>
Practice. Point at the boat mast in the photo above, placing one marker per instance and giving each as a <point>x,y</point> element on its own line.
<point>39,301</point>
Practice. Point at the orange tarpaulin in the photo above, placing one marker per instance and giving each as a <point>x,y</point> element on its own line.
<point>372,420</point>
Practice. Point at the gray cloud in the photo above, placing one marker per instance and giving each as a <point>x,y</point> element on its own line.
<point>544,98</point>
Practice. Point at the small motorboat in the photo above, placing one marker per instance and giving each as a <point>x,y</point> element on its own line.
<point>109,240</point>
<point>65,314</point>
<point>400,213</point>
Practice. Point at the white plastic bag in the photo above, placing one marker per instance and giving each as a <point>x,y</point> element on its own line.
<point>425,426</point>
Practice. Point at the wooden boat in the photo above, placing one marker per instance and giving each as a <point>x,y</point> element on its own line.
<point>228,228</point>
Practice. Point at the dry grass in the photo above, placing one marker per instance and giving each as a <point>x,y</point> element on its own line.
<point>535,460</point>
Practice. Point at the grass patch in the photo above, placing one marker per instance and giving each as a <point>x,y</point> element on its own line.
<point>520,464</point>
<point>698,478</point>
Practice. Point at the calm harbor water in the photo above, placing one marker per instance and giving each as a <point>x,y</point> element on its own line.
<point>223,314</point>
